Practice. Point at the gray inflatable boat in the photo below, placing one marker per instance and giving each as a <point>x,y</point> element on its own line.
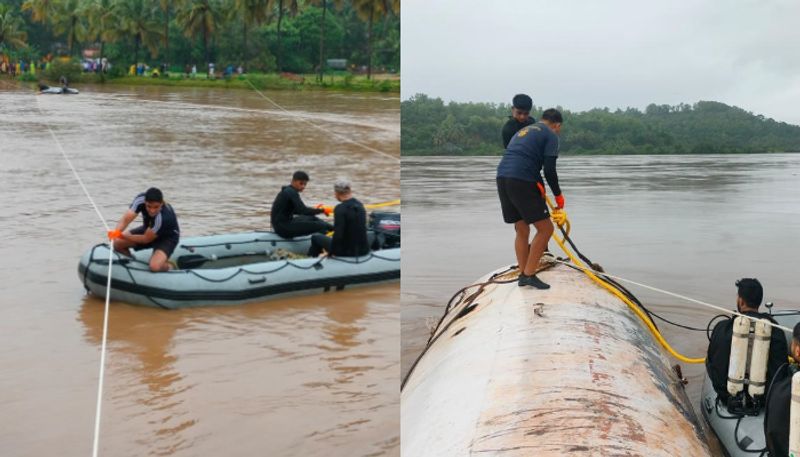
<point>740,435</point>
<point>233,269</point>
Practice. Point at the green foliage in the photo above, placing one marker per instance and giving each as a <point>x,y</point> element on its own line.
<point>223,31</point>
<point>431,127</point>
<point>71,69</point>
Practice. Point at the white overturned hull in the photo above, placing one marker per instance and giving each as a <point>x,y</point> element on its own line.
<point>59,90</point>
<point>559,372</point>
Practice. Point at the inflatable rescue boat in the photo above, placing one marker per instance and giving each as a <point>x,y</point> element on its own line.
<point>516,371</point>
<point>740,429</point>
<point>236,268</point>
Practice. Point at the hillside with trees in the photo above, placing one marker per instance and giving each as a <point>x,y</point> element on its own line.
<point>432,127</point>
<point>295,36</point>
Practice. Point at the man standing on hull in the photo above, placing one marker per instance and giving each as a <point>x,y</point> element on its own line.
<point>290,217</point>
<point>159,230</point>
<point>521,190</point>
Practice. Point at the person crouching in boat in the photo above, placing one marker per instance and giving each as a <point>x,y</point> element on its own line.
<point>521,190</point>
<point>159,230</point>
<point>749,293</point>
<point>290,217</point>
<point>779,400</point>
<point>349,227</point>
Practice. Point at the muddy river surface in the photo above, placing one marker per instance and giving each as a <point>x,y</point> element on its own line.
<point>690,225</point>
<point>304,376</point>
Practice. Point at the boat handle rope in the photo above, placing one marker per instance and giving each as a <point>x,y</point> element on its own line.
<point>244,270</point>
<point>96,441</point>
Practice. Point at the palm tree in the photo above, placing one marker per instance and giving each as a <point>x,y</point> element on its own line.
<point>137,18</point>
<point>370,10</point>
<point>102,19</point>
<point>293,11</point>
<point>68,19</point>
<point>252,12</point>
<point>40,9</point>
<point>200,17</point>
<point>324,4</point>
<point>165,8</point>
<point>11,28</point>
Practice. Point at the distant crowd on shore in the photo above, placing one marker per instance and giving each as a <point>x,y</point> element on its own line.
<point>189,71</point>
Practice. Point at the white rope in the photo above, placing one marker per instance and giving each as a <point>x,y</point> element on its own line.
<point>103,354</point>
<point>96,442</point>
<point>656,289</point>
<point>341,137</point>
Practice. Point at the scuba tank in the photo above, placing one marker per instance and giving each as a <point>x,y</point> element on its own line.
<point>747,369</point>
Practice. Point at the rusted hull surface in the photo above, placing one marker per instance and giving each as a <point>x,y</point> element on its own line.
<point>547,373</point>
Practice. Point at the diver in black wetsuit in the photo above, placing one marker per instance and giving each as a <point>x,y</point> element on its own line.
<point>748,299</point>
<point>520,117</point>
<point>779,400</point>
<point>290,217</point>
<point>349,227</point>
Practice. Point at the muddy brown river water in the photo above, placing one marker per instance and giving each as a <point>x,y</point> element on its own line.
<point>305,376</point>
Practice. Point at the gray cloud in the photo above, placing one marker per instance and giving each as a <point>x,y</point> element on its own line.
<point>584,54</point>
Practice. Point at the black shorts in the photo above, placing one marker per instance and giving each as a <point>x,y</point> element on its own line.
<point>521,200</point>
<point>167,245</point>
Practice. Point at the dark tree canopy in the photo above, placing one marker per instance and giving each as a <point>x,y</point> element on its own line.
<point>432,127</point>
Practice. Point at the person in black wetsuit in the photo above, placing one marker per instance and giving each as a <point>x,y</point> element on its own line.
<point>159,230</point>
<point>521,191</point>
<point>521,106</point>
<point>290,217</point>
<point>749,295</point>
<point>779,400</point>
<point>349,227</point>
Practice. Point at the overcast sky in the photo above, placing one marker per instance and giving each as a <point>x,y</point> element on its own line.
<point>584,54</point>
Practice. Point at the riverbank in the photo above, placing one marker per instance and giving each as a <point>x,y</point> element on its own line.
<point>389,83</point>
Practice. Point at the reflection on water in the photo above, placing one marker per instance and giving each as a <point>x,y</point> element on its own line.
<point>688,224</point>
<point>305,376</point>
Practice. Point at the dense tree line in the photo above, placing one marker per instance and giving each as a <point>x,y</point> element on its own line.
<point>432,127</point>
<point>265,35</point>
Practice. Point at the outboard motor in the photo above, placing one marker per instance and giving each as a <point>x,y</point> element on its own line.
<point>747,371</point>
<point>386,226</point>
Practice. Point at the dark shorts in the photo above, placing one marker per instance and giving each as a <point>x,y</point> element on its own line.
<point>167,245</point>
<point>521,200</point>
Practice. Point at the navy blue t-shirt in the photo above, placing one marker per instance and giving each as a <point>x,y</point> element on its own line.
<point>165,224</point>
<point>524,156</point>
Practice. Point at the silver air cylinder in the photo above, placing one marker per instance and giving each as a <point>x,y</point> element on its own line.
<point>794,417</point>
<point>738,361</point>
<point>758,361</point>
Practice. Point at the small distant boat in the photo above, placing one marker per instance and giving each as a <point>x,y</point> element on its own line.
<point>231,269</point>
<point>58,90</point>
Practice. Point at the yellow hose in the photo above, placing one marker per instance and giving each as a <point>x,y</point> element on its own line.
<point>381,205</point>
<point>647,321</point>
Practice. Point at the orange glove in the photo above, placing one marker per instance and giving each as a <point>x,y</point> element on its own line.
<point>325,209</point>
<point>560,201</point>
<point>114,234</point>
<point>541,188</point>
